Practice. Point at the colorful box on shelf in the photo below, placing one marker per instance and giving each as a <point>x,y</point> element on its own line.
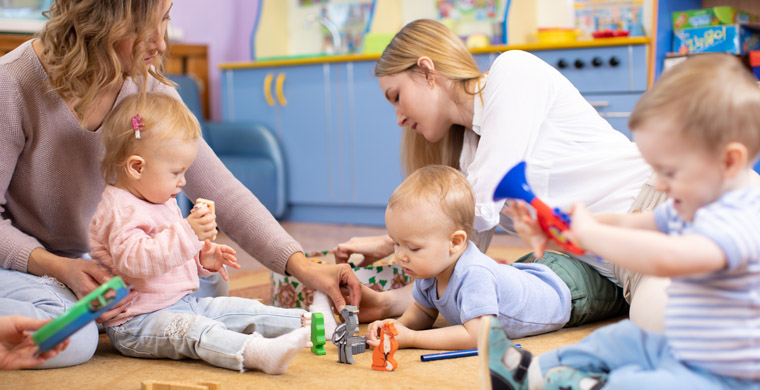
<point>384,275</point>
<point>715,16</point>
<point>754,62</point>
<point>735,39</point>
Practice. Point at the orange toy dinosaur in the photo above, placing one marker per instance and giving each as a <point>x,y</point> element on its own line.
<point>382,356</point>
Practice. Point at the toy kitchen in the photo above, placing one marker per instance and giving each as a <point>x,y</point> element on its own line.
<point>311,81</point>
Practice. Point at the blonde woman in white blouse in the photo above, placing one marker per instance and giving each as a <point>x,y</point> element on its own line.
<point>483,124</point>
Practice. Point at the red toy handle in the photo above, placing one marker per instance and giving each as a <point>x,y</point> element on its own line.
<point>554,226</point>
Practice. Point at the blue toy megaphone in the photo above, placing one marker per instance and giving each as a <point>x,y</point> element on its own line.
<point>554,222</point>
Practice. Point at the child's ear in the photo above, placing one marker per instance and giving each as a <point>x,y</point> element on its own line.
<point>458,241</point>
<point>735,158</point>
<point>135,165</point>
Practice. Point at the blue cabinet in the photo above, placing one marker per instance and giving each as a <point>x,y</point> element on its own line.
<point>297,114</point>
<point>338,132</point>
<point>373,139</point>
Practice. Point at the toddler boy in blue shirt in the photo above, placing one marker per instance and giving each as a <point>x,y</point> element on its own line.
<point>429,218</point>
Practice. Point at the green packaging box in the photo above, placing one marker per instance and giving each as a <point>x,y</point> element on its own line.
<point>715,16</point>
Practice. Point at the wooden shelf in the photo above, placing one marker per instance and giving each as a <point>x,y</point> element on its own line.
<point>319,59</point>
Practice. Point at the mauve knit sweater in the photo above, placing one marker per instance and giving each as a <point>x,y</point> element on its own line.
<point>50,181</point>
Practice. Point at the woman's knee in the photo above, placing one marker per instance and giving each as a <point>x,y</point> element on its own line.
<point>212,286</point>
<point>82,347</point>
<point>648,301</point>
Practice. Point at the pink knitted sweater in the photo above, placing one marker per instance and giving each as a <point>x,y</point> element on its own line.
<point>150,246</point>
<point>50,180</point>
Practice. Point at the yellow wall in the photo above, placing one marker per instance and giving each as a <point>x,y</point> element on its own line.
<point>273,32</point>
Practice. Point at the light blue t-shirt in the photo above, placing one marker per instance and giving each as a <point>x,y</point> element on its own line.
<point>527,298</point>
<point>712,320</point>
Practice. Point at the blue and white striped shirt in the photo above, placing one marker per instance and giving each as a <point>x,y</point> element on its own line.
<point>712,320</point>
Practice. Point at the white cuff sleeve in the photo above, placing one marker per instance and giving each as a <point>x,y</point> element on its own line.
<point>487,215</point>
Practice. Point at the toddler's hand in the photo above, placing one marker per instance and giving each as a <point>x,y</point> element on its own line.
<point>404,338</point>
<point>202,221</point>
<point>582,221</point>
<point>527,226</point>
<point>214,257</point>
<point>373,332</point>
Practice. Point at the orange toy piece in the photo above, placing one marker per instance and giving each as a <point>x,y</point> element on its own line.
<point>382,356</point>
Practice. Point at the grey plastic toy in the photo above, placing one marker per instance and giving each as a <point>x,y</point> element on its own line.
<point>346,336</point>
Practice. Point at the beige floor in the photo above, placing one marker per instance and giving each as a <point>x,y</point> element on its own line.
<point>109,370</point>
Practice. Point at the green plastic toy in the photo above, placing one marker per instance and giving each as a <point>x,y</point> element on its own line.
<point>87,309</point>
<point>318,334</point>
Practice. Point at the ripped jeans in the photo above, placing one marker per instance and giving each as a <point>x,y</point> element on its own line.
<point>214,330</point>
<point>45,297</point>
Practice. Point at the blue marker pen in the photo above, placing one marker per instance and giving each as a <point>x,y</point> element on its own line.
<point>451,355</point>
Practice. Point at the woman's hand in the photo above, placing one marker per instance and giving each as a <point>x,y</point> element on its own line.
<point>17,348</point>
<point>327,278</point>
<point>372,248</point>
<point>79,275</point>
<point>214,257</point>
<point>527,226</point>
<point>203,222</point>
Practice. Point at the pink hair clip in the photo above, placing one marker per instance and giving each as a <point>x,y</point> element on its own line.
<point>137,125</point>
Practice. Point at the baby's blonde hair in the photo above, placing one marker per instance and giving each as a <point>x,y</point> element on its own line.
<point>713,100</point>
<point>452,59</point>
<point>443,187</point>
<point>163,117</point>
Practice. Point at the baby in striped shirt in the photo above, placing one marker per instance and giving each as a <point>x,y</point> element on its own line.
<point>699,128</point>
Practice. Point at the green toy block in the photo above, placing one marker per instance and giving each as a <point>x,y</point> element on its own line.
<point>318,334</point>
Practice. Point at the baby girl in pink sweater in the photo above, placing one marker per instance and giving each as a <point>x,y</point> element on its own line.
<point>138,233</point>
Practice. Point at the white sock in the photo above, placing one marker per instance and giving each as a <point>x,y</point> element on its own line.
<point>322,304</point>
<point>273,355</point>
<point>535,377</point>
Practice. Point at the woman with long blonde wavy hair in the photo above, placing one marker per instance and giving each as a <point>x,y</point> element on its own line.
<point>485,123</point>
<point>55,90</point>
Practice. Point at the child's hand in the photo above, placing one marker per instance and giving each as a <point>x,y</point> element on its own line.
<point>527,227</point>
<point>202,221</point>
<point>582,221</point>
<point>17,348</point>
<point>214,257</point>
<point>404,338</point>
<point>373,332</point>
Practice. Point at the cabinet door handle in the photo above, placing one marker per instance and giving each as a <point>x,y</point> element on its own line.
<point>599,104</point>
<point>278,87</point>
<point>268,89</point>
<point>614,114</point>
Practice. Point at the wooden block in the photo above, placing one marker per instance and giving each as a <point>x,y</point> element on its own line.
<point>174,385</point>
<point>211,206</point>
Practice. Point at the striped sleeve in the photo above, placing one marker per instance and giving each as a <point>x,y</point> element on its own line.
<point>733,222</point>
